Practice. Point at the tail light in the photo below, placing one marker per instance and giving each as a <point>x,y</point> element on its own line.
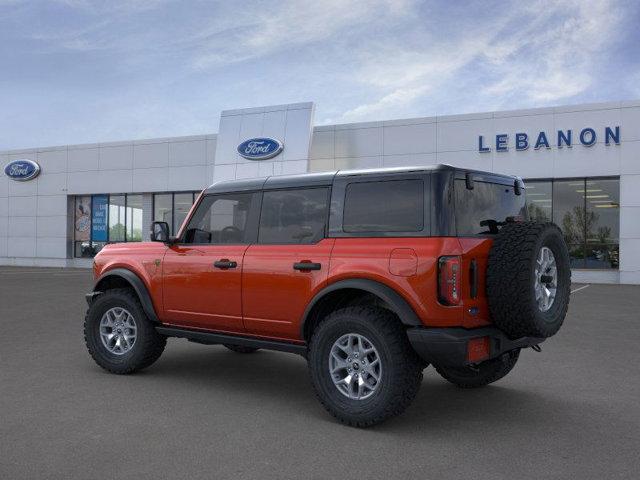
<point>449,280</point>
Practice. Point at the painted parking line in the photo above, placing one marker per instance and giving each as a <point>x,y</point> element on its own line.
<point>580,288</point>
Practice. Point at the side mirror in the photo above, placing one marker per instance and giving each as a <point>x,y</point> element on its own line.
<point>159,232</point>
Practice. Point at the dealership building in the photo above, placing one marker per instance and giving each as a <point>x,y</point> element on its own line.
<point>581,165</point>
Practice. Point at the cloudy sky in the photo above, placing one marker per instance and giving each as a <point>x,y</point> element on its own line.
<point>81,71</point>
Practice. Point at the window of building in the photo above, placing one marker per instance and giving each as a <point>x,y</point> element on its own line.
<point>102,219</point>
<point>539,195</point>
<point>172,208</point>
<point>402,209</point>
<point>603,223</point>
<point>588,213</point>
<point>117,218</point>
<point>163,208</point>
<point>220,219</point>
<point>296,216</point>
<point>182,203</point>
<point>82,227</point>
<point>134,218</point>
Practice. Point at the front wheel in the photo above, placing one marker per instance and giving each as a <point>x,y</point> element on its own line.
<point>483,374</point>
<point>362,366</point>
<point>119,336</point>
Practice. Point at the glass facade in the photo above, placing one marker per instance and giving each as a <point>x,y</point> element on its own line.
<point>172,208</point>
<point>586,209</point>
<point>102,219</point>
<point>588,212</point>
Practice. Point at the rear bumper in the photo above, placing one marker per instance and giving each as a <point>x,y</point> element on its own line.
<point>448,346</point>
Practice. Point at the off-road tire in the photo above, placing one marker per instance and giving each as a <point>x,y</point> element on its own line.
<point>511,280</point>
<point>401,368</point>
<point>148,345</point>
<point>482,374</point>
<point>240,348</point>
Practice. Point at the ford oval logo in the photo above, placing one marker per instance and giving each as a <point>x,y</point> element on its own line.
<point>260,148</point>
<point>22,170</point>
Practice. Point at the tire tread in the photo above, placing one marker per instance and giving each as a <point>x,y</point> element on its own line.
<point>152,345</point>
<point>405,386</point>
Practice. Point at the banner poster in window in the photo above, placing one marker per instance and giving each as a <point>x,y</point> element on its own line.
<point>99,214</point>
<point>83,219</point>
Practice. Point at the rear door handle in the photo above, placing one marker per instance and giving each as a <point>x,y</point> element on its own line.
<point>307,266</point>
<point>225,264</point>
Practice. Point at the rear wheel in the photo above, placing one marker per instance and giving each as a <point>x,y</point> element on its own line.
<point>362,366</point>
<point>482,374</point>
<point>240,348</point>
<point>119,335</point>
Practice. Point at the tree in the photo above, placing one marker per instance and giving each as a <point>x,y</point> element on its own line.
<point>576,223</point>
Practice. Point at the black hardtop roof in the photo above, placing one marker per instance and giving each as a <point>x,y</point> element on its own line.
<point>327,178</point>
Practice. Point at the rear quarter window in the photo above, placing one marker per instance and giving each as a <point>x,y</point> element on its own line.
<point>384,206</point>
<point>485,203</point>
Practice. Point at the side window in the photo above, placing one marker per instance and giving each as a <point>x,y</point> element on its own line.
<point>385,206</point>
<point>220,219</point>
<point>293,216</point>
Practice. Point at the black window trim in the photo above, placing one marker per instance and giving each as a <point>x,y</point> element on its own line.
<point>328,189</point>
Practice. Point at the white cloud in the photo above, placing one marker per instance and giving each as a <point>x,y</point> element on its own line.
<point>253,33</point>
<point>543,52</point>
<point>167,67</point>
<point>555,63</point>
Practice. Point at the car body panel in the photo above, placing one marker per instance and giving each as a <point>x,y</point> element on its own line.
<point>198,294</point>
<point>144,259</point>
<point>274,294</point>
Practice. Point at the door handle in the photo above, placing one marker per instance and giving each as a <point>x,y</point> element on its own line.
<point>225,264</point>
<point>306,265</point>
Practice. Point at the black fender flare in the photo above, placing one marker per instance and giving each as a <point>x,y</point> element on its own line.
<point>138,285</point>
<point>398,304</point>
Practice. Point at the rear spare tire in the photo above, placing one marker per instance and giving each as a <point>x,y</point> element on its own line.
<point>529,279</point>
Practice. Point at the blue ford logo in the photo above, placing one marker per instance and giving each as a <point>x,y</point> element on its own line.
<point>260,148</point>
<point>22,170</point>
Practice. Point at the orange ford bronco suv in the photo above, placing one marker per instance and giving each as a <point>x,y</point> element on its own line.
<point>371,275</point>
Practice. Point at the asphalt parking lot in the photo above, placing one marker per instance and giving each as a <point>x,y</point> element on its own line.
<point>572,411</point>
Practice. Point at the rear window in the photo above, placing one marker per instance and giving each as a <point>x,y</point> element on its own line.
<point>387,206</point>
<point>486,204</point>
